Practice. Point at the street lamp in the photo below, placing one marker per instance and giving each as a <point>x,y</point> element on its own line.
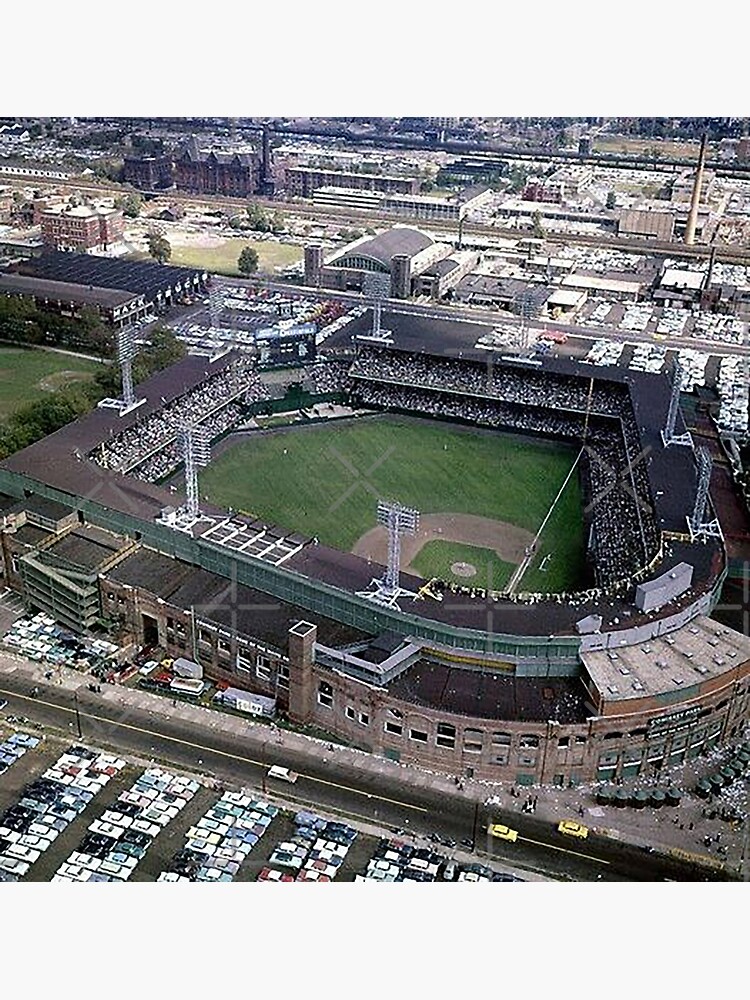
<point>78,715</point>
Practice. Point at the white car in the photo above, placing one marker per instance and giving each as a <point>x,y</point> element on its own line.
<point>14,865</point>
<point>106,829</point>
<point>143,826</point>
<point>117,819</point>
<point>23,853</point>
<point>197,833</point>
<point>32,840</point>
<point>42,830</point>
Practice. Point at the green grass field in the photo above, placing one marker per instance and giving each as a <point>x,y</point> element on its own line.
<point>564,548</point>
<point>325,480</point>
<point>222,259</point>
<point>28,375</point>
<point>436,559</point>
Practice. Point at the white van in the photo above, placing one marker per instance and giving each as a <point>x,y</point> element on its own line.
<point>282,774</point>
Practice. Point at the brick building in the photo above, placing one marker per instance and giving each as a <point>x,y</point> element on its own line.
<point>302,182</point>
<point>654,705</point>
<point>232,174</point>
<point>82,228</point>
<point>149,173</point>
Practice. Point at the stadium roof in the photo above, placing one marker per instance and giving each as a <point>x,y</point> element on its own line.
<point>398,240</point>
<point>698,652</point>
<point>216,599</point>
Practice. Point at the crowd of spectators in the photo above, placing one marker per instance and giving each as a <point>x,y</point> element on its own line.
<point>165,461</point>
<point>327,375</point>
<point>618,518</point>
<point>128,450</point>
<point>529,387</point>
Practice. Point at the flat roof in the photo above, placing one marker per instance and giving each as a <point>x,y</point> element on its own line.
<point>674,277</point>
<point>87,546</point>
<point>492,694</point>
<point>699,651</point>
<point>601,284</point>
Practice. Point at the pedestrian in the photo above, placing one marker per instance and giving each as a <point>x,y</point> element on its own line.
<point>691,825</point>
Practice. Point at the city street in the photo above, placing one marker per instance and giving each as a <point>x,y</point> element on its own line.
<point>356,785</point>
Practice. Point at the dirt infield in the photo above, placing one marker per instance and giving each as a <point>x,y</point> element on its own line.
<point>506,540</point>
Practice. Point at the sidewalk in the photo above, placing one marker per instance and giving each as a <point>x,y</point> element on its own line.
<point>679,829</point>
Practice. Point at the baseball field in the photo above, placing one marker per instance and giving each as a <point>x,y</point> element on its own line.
<point>481,495</point>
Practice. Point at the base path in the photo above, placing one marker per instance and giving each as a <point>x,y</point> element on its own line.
<point>508,541</point>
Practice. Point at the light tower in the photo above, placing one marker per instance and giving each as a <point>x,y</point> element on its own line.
<point>399,521</point>
<point>668,435</point>
<point>126,351</point>
<point>196,452</point>
<point>376,287</point>
<point>701,525</point>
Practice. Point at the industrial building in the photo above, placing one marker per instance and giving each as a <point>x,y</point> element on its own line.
<point>303,182</point>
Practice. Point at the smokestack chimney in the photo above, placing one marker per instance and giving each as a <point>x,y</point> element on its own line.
<point>695,200</point>
<point>266,163</point>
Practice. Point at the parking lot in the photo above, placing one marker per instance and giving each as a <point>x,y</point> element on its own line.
<point>70,812</point>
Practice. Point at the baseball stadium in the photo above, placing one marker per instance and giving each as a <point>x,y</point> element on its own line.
<point>497,567</point>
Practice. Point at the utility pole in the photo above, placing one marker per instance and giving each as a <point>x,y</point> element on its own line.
<point>78,715</point>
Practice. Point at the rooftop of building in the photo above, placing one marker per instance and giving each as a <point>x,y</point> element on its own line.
<point>492,694</point>
<point>383,247</point>
<point>141,277</point>
<point>63,291</point>
<point>87,547</point>
<point>233,606</point>
<point>700,651</point>
<point>79,211</point>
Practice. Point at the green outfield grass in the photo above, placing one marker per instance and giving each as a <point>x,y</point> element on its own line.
<point>222,259</point>
<point>325,480</point>
<point>28,375</point>
<point>436,558</point>
<point>565,548</point>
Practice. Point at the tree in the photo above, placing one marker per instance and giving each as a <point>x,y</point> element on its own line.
<point>129,204</point>
<point>258,219</point>
<point>159,247</point>
<point>247,262</point>
<point>162,350</point>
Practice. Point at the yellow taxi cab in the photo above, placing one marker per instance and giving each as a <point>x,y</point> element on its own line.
<point>502,832</point>
<point>573,829</point>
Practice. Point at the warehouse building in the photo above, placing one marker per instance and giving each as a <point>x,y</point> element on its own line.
<point>117,308</point>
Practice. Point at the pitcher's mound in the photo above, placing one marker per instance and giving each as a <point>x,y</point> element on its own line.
<point>463,569</point>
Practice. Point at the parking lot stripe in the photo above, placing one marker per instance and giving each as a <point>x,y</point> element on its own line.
<point>221,753</point>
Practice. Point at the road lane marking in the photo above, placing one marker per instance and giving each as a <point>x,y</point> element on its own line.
<point>199,746</point>
<point>564,850</point>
